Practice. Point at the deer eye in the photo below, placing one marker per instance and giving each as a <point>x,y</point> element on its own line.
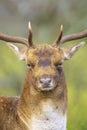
<point>59,67</point>
<point>28,65</point>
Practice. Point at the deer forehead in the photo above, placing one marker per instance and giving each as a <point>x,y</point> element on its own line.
<point>44,52</point>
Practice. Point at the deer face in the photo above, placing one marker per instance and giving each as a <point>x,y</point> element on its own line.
<point>45,64</point>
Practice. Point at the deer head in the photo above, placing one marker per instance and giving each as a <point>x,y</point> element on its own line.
<point>44,61</point>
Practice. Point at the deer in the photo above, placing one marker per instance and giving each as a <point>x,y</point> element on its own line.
<point>42,104</point>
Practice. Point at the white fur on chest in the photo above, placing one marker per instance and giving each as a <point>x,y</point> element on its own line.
<point>48,119</point>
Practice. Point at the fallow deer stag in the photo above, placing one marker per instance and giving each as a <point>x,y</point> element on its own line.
<point>42,104</point>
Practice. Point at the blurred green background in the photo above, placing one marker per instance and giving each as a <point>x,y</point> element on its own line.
<point>46,17</point>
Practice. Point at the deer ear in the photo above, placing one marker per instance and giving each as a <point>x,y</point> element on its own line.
<point>19,51</point>
<point>70,51</point>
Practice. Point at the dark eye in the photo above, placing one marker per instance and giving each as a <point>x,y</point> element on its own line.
<point>28,65</point>
<point>59,67</point>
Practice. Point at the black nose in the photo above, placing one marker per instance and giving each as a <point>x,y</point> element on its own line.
<point>45,81</point>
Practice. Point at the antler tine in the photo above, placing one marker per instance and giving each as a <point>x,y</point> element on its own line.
<point>58,42</point>
<point>76,36</point>
<point>30,35</point>
<point>14,39</point>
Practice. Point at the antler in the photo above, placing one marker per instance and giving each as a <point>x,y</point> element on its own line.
<point>14,39</point>
<point>76,36</point>
<point>68,38</point>
<point>30,35</point>
<point>60,36</point>
<point>20,40</point>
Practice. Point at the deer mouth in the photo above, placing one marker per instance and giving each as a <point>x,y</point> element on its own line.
<point>45,87</point>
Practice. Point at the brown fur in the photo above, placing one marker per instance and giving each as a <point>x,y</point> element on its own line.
<point>16,112</point>
<point>44,85</point>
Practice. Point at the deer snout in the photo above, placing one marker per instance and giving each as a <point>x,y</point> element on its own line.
<point>45,81</point>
